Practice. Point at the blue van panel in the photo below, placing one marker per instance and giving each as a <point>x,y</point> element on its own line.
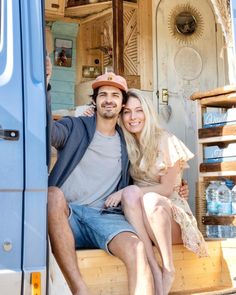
<point>36,173</point>
<point>34,95</point>
<point>35,230</point>
<point>11,226</point>
<point>12,152</point>
<point>23,169</point>
<point>11,117</point>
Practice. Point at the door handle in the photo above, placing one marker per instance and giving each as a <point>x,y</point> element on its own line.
<point>165,96</point>
<point>9,134</point>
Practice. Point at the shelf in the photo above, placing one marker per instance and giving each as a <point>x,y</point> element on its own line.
<point>83,11</point>
<point>214,92</point>
<point>217,174</point>
<point>225,138</point>
<point>218,167</point>
<point>221,101</point>
<point>219,220</point>
<point>215,134</point>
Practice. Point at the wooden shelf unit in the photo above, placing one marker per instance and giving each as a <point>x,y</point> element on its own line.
<point>224,98</point>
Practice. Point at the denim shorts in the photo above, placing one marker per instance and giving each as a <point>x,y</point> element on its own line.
<point>94,230</point>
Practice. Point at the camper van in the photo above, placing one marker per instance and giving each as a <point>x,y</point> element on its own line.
<point>23,169</point>
<point>157,53</point>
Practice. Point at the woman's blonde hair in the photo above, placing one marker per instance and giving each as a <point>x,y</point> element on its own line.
<point>143,154</point>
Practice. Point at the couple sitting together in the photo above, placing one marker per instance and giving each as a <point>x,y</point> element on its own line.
<point>117,187</point>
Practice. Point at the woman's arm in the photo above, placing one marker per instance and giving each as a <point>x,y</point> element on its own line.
<point>167,183</point>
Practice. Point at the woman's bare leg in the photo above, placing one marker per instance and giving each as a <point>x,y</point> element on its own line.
<point>131,202</point>
<point>164,231</point>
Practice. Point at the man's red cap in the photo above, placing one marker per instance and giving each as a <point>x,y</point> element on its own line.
<point>110,79</point>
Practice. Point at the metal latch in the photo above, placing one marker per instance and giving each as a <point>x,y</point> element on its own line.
<point>9,134</point>
<point>165,96</point>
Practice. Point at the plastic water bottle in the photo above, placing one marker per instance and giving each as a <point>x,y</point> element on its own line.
<point>233,197</point>
<point>229,183</point>
<point>224,208</point>
<point>212,207</point>
<point>212,198</point>
<point>224,197</point>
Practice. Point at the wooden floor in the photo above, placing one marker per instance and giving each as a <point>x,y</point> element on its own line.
<point>216,274</point>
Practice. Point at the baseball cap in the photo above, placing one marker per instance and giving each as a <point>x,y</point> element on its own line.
<point>110,79</point>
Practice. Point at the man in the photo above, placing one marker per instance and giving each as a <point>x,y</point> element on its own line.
<point>92,163</point>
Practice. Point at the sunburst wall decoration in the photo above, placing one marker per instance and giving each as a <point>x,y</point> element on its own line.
<point>185,23</point>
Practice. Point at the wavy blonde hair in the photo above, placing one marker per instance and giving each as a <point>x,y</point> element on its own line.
<point>143,154</point>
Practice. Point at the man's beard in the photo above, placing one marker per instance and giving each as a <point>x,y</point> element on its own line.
<point>109,114</point>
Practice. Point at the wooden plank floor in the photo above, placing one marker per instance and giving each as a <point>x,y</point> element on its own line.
<point>106,275</point>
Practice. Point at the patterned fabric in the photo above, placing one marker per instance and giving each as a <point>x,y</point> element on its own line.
<point>171,150</point>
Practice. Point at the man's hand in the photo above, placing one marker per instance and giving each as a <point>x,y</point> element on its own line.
<point>184,190</point>
<point>48,69</point>
<point>113,200</point>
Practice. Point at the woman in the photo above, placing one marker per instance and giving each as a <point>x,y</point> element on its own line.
<point>152,205</point>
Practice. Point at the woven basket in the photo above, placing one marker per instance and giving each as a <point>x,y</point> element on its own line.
<point>201,205</point>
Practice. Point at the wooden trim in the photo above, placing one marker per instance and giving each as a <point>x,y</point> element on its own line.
<point>225,100</point>
<point>217,131</point>
<point>118,36</point>
<point>145,44</point>
<point>219,139</point>
<point>214,167</point>
<point>219,220</point>
<point>213,92</point>
<point>217,174</point>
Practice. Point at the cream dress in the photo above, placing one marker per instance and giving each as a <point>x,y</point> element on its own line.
<point>171,150</point>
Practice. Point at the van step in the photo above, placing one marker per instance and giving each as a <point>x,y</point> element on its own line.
<point>216,274</point>
<point>208,291</point>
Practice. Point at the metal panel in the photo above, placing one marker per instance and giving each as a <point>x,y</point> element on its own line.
<point>11,151</point>
<point>35,136</point>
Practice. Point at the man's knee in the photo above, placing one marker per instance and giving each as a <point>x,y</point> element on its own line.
<point>128,247</point>
<point>56,201</point>
<point>131,197</point>
<point>135,251</point>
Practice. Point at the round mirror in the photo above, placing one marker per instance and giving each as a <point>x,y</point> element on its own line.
<point>185,23</point>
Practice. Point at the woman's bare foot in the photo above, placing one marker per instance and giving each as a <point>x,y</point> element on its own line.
<point>158,280</point>
<point>83,290</point>
<point>168,280</point>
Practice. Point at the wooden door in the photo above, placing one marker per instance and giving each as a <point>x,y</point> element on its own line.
<point>186,62</point>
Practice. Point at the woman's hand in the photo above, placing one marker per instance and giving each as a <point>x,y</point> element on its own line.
<point>48,69</point>
<point>113,200</point>
<point>89,112</point>
<point>184,190</point>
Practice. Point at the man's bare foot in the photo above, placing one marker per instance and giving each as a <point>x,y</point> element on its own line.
<point>168,280</point>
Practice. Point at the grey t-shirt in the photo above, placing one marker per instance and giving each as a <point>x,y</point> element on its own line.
<point>97,174</point>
